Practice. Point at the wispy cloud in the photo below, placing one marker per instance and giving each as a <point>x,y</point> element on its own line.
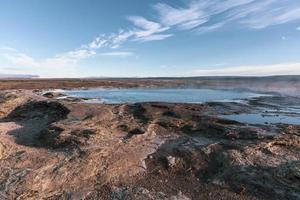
<point>146,30</point>
<point>196,12</point>
<point>210,15</point>
<point>112,40</point>
<point>298,28</point>
<point>20,59</point>
<point>66,59</point>
<point>118,54</point>
<point>186,17</point>
<point>142,30</point>
<point>252,70</point>
<point>279,15</point>
<point>58,66</point>
<point>6,48</point>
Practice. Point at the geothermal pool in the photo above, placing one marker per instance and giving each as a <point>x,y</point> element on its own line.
<point>136,95</point>
<point>263,119</point>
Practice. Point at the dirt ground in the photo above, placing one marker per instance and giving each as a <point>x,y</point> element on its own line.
<point>62,149</point>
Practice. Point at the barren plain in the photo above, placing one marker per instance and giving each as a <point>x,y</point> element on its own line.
<point>66,148</point>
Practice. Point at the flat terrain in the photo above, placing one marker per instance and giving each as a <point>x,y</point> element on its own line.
<point>68,149</point>
<point>281,84</point>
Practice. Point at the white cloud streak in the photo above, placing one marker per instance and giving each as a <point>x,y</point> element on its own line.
<point>210,15</point>
<point>185,18</point>
<point>62,65</point>
<point>146,30</point>
<point>252,70</point>
<point>118,54</point>
<point>143,30</point>
<point>20,59</point>
<point>273,17</point>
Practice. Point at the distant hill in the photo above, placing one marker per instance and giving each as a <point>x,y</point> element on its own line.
<point>5,76</point>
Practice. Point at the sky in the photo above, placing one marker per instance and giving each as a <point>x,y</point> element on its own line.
<point>149,38</point>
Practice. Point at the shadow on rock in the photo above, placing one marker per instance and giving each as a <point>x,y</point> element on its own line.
<point>36,119</point>
<point>138,112</point>
<point>136,131</point>
<point>280,182</point>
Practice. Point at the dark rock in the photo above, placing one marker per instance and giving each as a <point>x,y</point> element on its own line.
<point>53,94</point>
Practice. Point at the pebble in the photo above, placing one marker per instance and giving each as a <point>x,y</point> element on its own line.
<point>171,161</point>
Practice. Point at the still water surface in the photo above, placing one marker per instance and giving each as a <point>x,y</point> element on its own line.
<point>119,96</point>
<point>263,119</point>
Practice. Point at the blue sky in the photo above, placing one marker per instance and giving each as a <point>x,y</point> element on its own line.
<point>79,38</point>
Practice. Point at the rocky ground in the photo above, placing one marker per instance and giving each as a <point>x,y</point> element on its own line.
<point>69,149</point>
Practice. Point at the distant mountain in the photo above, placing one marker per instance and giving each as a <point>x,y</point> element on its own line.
<point>2,76</point>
